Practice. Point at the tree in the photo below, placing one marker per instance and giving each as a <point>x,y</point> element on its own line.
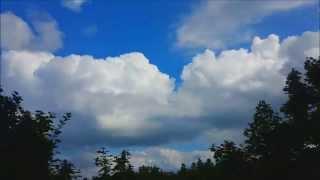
<point>149,172</point>
<point>302,110</point>
<point>103,161</point>
<point>259,142</point>
<point>228,157</point>
<point>200,164</point>
<point>208,164</point>
<point>296,107</point>
<point>183,170</point>
<point>65,170</point>
<point>312,78</point>
<point>288,148</point>
<point>28,140</point>
<point>122,168</point>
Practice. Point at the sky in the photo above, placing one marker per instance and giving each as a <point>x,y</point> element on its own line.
<point>164,79</point>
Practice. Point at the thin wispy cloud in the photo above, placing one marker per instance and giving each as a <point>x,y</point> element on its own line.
<point>73,5</point>
<point>219,24</point>
<point>42,34</point>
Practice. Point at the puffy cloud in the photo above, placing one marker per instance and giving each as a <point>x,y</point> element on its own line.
<point>228,86</point>
<point>16,34</point>
<point>125,100</point>
<point>295,49</point>
<point>73,5</point>
<point>217,24</point>
<point>120,92</point>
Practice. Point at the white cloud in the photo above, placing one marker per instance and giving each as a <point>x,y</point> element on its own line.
<point>16,34</point>
<point>236,71</point>
<point>295,49</point>
<point>227,87</point>
<point>120,92</point>
<point>74,5</point>
<point>126,100</point>
<point>218,24</point>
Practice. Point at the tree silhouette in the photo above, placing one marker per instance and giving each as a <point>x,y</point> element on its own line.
<point>65,170</point>
<point>260,140</point>
<point>122,168</point>
<point>28,140</point>
<point>103,161</point>
<point>149,172</point>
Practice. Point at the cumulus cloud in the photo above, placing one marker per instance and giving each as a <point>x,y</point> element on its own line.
<point>295,49</point>
<point>235,76</point>
<point>218,24</point>
<point>126,100</point>
<point>115,88</point>
<point>16,34</point>
<point>73,5</point>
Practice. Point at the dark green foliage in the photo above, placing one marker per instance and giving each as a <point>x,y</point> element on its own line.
<point>103,161</point>
<point>28,140</point>
<point>289,148</point>
<point>260,134</point>
<point>229,156</point>
<point>122,169</point>
<point>65,170</point>
<point>149,172</point>
<point>312,67</point>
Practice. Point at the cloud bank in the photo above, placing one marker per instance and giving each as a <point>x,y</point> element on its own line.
<point>218,24</point>
<point>126,100</point>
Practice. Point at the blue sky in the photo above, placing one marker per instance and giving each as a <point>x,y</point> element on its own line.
<point>155,77</point>
<point>145,26</point>
<point>120,28</point>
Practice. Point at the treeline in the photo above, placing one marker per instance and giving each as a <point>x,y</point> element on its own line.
<point>283,144</point>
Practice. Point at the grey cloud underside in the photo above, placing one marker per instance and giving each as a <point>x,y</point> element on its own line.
<point>181,130</point>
